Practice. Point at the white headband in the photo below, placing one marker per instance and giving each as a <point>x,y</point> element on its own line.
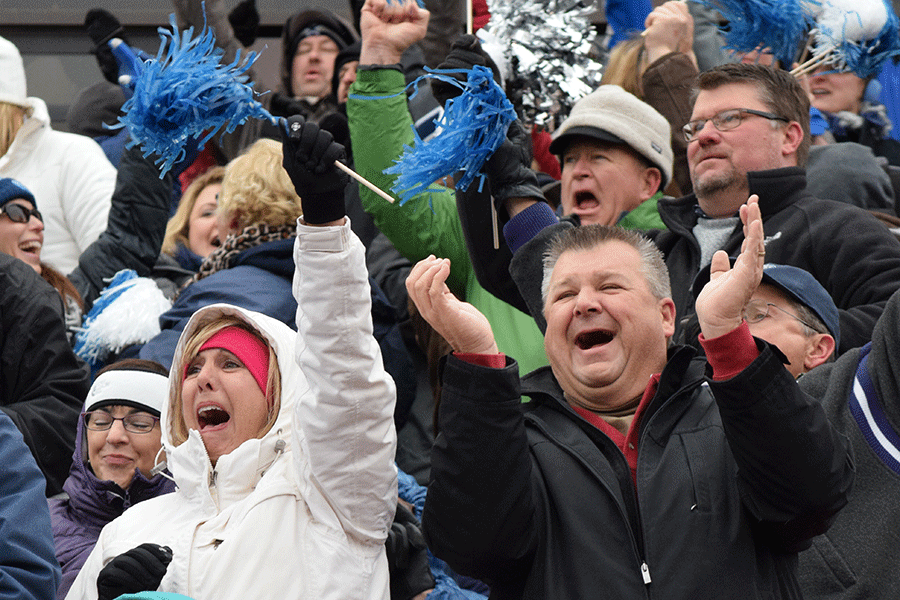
<point>133,388</point>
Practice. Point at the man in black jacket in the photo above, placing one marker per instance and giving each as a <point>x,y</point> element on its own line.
<point>749,134</point>
<point>42,383</point>
<point>631,474</point>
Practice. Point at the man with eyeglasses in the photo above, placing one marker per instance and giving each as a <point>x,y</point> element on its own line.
<point>749,134</point>
<point>791,310</point>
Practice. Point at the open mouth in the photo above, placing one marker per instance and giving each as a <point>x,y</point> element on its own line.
<point>211,416</point>
<point>591,339</point>
<point>586,200</point>
<point>215,242</point>
<point>32,247</point>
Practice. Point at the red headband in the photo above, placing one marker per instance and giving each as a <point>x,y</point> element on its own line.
<point>251,351</point>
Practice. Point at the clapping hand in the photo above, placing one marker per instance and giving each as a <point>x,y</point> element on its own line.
<point>720,304</point>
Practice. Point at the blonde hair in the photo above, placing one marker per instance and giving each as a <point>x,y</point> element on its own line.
<point>178,431</point>
<point>625,66</point>
<point>179,226</point>
<point>11,118</point>
<point>256,188</point>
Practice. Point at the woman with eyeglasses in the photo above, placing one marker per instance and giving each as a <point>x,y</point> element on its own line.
<point>117,446</point>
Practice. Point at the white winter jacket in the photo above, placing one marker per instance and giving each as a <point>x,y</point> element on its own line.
<point>72,182</point>
<point>304,511</point>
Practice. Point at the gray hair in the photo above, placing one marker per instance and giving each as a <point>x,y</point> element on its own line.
<point>587,237</point>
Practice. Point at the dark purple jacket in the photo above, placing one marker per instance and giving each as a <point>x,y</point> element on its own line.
<point>78,519</point>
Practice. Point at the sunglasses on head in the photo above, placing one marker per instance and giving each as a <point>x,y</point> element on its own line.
<point>20,214</point>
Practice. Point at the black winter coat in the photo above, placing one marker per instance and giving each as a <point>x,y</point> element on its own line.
<point>733,478</point>
<point>42,383</point>
<point>847,250</point>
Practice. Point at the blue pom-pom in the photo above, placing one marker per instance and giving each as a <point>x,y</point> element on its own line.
<point>781,25</point>
<point>186,92</point>
<point>472,127</point>
<point>864,57</point>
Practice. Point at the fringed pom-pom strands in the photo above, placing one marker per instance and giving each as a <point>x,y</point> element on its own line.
<point>472,127</point>
<point>780,25</point>
<point>856,35</point>
<point>185,92</point>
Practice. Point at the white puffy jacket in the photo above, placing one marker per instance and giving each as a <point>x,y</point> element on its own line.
<point>72,182</point>
<point>306,518</point>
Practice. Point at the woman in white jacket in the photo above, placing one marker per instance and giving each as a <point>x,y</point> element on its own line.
<point>281,443</point>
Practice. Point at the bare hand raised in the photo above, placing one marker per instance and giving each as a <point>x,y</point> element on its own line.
<point>721,302</point>
<point>460,323</point>
<point>389,28</point>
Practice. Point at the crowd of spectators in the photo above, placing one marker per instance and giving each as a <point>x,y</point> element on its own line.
<point>665,369</point>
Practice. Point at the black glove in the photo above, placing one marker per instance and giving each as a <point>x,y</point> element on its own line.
<point>509,168</point>
<point>244,19</point>
<point>103,26</point>
<point>465,53</point>
<point>309,156</point>
<point>138,570</point>
<point>407,556</point>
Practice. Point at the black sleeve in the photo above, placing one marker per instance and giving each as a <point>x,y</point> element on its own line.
<point>42,383</point>
<point>491,264</point>
<point>527,269</point>
<point>135,227</point>
<point>479,510</point>
<point>794,469</point>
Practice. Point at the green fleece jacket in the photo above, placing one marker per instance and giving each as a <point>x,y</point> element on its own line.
<point>380,127</point>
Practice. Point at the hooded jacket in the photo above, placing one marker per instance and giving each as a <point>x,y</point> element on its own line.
<point>857,558</point>
<point>71,179</point>
<point>91,504</point>
<point>304,510</point>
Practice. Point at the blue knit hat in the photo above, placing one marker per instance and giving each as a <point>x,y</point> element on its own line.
<point>10,189</point>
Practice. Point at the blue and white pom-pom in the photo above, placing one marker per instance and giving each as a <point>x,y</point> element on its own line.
<point>471,128</point>
<point>187,92</point>
<point>856,35</point>
<point>127,312</point>
<point>780,25</point>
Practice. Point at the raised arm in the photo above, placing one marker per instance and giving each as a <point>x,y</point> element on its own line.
<point>345,420</point>
<point>135,227</point>
<point>380,128</point>
<point>794,468</point>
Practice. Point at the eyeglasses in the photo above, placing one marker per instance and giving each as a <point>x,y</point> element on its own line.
<point>726,121</point>
<point>100,420</point>
<point>20,214</point>
<point>757,310</point>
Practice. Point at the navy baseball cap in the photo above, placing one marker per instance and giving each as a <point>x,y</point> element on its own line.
<point>799,285</point>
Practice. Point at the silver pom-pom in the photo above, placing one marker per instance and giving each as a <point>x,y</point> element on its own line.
<point>549,48</point>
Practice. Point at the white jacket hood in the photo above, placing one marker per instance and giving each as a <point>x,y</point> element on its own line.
<point>189,461</point>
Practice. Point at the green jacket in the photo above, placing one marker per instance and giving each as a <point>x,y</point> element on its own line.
<point>644,217</point>
<point>380,127</point>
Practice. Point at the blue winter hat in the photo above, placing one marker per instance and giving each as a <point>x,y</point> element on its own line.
<point>10,189</point>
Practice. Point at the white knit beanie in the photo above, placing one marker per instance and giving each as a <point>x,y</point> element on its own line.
<point>613,115</point>
<point>12,75</point>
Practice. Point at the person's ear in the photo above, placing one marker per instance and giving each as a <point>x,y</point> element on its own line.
<point>667,310</point>
<point>820,348</point>
<point>650,182</point>
<point>793,137</point>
